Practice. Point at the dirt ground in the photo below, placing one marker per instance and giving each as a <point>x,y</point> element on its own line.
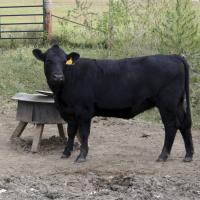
<point>121,164</point>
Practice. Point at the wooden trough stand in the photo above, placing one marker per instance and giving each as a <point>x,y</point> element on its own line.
<point>40,110</point>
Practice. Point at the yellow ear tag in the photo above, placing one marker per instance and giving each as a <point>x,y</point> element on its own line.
<point>69,62</point>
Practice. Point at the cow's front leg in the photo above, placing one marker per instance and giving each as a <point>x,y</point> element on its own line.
<point>71,130</point>
<point>84,132</point>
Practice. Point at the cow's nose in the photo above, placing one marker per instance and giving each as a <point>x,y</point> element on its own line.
<point>57,77</point>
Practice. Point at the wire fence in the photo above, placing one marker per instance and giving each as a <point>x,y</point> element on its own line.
<point>19,16</point>
<point>74,22</point>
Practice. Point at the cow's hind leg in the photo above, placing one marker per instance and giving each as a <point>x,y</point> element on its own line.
<point>185,129</point>
<point>71,130</point>
<point>84,131</point>
<point>187,137</point>
<point>169,121</point>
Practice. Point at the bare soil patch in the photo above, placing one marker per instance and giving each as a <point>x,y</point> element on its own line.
<point>121,164</point>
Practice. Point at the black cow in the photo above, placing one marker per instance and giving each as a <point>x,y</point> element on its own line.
<point>84,88</point>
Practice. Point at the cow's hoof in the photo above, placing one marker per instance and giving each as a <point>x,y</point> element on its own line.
<point>187,159</point>
<point>80,159</point>
<point>162,159</point>
<point>65,156</point>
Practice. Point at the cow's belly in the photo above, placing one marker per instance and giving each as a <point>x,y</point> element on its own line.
<point>118,101</point>
<point>126,112</point>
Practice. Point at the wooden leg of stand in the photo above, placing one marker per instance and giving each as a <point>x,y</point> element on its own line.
<point>19,129</point>
<point>37,137</point>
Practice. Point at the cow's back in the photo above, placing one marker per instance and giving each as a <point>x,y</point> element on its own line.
<point>132,80</point>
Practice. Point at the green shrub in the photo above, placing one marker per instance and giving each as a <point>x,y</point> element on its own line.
<point>179,32</point>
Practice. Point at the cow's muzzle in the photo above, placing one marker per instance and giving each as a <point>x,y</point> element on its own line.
<point>57,79</point>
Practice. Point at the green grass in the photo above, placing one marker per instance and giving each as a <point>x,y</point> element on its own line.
<point>21,72</point>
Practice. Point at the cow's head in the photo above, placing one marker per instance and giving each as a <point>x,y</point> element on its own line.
<point>55,60</point>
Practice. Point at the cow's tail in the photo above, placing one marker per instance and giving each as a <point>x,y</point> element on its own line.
<point>187,118</point>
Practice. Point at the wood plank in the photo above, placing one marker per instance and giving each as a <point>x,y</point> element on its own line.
<point>62,130</point>
<point>33,98</point>
<point>37,137</point>
<point>18,130</point>
<point>24,111</point>
<point>38,113</point>
<point>46,114</point>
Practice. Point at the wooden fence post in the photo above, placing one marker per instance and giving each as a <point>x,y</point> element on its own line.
<point>0,27</point>
<point>47,19</point>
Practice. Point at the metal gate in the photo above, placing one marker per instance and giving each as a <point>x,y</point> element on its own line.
<point>4,33</point>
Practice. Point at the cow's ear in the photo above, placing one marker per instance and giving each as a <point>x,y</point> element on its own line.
<point>72,58</point>
<point>38,54</point>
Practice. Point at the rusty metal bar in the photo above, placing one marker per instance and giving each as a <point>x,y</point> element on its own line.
<point>29,38</point>
<point>21,15</point>
<point>28,6</point>
<point>21,31</point>
<point>21,23</point>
